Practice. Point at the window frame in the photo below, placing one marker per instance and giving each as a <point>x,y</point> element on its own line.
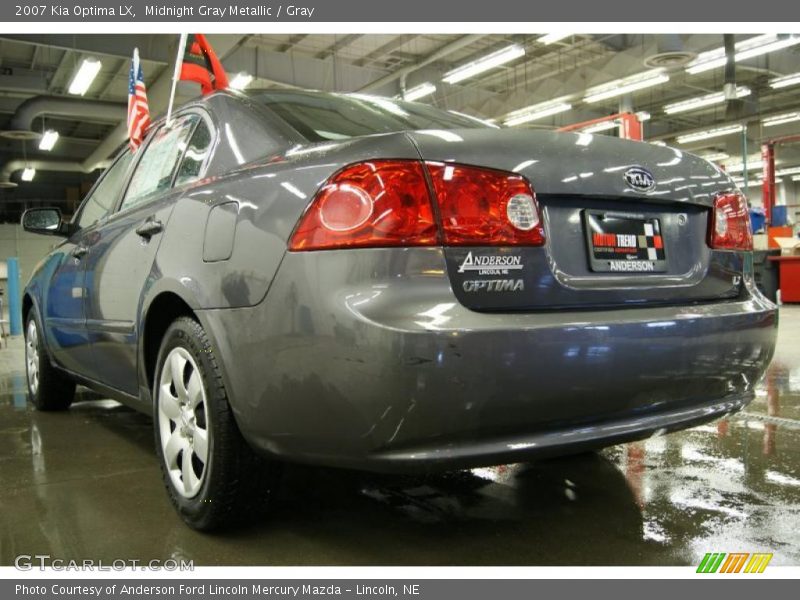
<point>214,134</point>
<point>212,145</point>
<point>112,210</point>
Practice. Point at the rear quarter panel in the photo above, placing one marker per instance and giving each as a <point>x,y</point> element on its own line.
<point>269,197</point>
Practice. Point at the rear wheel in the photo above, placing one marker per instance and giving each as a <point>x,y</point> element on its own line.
<point>48,388</point>
<point>212,476</point>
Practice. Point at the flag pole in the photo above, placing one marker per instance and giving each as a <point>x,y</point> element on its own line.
<point>176,75</point>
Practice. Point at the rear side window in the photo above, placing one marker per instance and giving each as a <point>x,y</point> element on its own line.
<point>105,195</point>
<point>153,174</point>
<point>195,156</point>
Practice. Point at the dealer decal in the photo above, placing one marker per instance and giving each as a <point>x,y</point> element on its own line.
<point>638,266</point>
<point>491,264</point>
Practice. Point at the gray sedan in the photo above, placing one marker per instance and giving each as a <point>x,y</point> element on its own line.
<point>360,282</point>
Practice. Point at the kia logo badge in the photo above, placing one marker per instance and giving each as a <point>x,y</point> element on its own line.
<point>640,179</point>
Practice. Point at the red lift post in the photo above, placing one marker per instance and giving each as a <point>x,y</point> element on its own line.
<point>789,266</point>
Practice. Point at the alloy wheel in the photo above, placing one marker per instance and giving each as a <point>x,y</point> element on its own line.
<point>32,356</point>
<point>182,421</point>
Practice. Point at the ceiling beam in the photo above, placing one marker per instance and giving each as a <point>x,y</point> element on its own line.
<point>122,69</point>
<point>444,51</point>
<point>387,48</point>
<point>62,64</point>
<point>155,48</point>
<point>24,80</point>
<point>293,41</point>
<point>338,45</point>
<point>298,69</point>
<point>35,57</point>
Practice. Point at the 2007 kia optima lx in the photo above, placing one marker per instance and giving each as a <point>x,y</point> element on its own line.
<point>358,282</point>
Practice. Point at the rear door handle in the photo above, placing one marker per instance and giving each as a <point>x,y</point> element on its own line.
<point>149,228</point>
<point>78,252</point>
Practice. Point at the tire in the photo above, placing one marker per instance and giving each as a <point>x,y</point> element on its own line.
<point>48,388</point>
<point>224,482</point>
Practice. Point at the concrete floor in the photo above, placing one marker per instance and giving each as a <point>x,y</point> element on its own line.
<point>86,484</point>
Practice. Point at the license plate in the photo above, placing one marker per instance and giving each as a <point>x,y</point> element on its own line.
<point>624,243</point>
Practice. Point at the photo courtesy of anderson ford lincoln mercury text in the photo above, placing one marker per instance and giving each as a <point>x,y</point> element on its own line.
<point>400,299</point>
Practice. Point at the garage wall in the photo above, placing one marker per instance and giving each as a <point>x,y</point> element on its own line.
<point>29,248</point>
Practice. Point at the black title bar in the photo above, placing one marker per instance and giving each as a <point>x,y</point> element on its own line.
<point>307,11</point>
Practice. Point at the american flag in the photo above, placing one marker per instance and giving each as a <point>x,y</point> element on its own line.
<point>138,110</point>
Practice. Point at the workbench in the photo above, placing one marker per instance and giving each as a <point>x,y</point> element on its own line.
<point>789,277</point>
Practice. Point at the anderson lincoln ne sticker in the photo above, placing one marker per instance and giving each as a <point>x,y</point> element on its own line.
<point>491,264</point>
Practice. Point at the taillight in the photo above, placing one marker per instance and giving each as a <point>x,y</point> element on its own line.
<point>389,203</point>
<point>729,227</point>
<point>370,204</point>
<point>484,207</point>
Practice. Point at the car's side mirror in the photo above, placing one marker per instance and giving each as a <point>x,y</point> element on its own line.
<point>46,221</point>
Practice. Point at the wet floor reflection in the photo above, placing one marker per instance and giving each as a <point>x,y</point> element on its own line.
<point>86,483</point>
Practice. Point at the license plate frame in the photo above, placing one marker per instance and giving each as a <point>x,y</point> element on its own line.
<point>625,243</point>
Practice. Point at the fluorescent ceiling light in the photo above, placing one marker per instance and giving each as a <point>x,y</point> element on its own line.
<point>620,87</point>
<point>535,112</point>
<point>769,46</point>
<point>739,167</point>
<point>701,101</point>
<point>643,116</point>
<point>659,143</point>
<point>28,174</point>
<point>781,119</point>
<point>785,81</point>
<point>789,171</point>
<point>716,156</point>
<point>490,61</point>
<point>84,77</point>
<point>420,91</point>
<point>749,48</point>
<point>709,133</point>
<point>708,62</point>
<point>598,127</point>
<point>755,182</point>
<point>49,139</point>
<point>796,178</point>
<point>551,38</point>
<point>241,81</point>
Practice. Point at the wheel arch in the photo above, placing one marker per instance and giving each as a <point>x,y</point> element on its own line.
<point>27,305</point>
<point>162,310</point>
<point>156,317</point>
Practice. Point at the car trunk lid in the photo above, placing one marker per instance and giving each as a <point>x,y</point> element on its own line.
<point>586,186</point>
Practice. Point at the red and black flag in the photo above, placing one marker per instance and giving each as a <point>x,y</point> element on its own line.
<point>200,64</point>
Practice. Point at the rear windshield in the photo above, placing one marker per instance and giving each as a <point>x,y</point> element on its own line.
<point>320,116</point>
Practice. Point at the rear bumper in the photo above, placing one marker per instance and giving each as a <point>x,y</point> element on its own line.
<point>368,361</point>
<point>557,441</point>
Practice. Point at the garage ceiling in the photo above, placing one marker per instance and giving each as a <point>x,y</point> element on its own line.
<point>36,65</point>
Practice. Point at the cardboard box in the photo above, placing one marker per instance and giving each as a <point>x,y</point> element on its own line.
<point>775,232</point>
<point>789,246</point>
<point>760,241</point>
